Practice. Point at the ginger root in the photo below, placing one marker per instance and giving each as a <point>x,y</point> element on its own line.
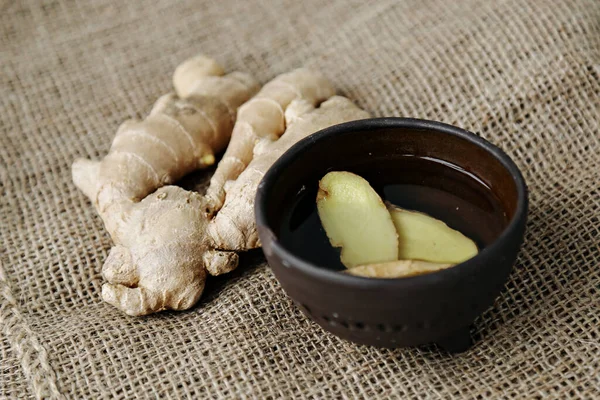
<point>177,137</point>
<point>356,219</point>
<point>157,263</point>
<point>234,227</point>
<point>422,237</point>
<point>396,269</point>
<point>168,240</point>
<point>157,260</point>
<point>263,117</point>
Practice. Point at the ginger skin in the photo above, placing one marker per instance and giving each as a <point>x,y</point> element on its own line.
<point>177,137</point>
<point>168,240</point>
<point>234,227</point>
<point>155,264</point>
<point>215,243</point>
<point>264,117</point>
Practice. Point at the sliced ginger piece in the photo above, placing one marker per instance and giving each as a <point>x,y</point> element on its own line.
<point>356,219</point>
<point>397,269</point>
<point>425,238</point>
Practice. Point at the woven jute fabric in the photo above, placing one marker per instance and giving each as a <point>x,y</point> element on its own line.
<point>524,74</point>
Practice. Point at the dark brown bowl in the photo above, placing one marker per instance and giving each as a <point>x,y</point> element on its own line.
<point>438,307</point>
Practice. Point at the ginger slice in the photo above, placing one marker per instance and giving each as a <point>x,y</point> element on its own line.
<point>397,269</point>
<point>421,237</point>
<point>356,219</point>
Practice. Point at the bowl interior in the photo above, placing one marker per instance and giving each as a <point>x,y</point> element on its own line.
<point>373,149</point>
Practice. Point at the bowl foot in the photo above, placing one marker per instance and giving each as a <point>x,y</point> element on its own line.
<point>457,342</point>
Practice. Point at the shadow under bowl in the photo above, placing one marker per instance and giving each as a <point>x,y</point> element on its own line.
<point>437,307</point>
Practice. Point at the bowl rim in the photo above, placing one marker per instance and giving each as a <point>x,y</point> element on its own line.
<point>376,124</point>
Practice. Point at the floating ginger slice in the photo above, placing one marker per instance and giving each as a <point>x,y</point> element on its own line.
<point>356,219</point>
<point>397,269</point>
<point>425,238</point>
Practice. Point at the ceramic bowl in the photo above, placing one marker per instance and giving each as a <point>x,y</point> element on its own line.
<point>438,307</point>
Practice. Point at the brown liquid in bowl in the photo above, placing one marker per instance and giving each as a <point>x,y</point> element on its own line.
<point>438,188</point>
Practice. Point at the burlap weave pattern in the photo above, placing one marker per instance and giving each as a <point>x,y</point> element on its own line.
<point>523,74</point>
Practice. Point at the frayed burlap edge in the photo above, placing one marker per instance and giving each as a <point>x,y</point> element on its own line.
<point>25,343</point>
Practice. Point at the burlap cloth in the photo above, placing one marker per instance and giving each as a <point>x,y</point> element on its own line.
<point>523,74</point>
